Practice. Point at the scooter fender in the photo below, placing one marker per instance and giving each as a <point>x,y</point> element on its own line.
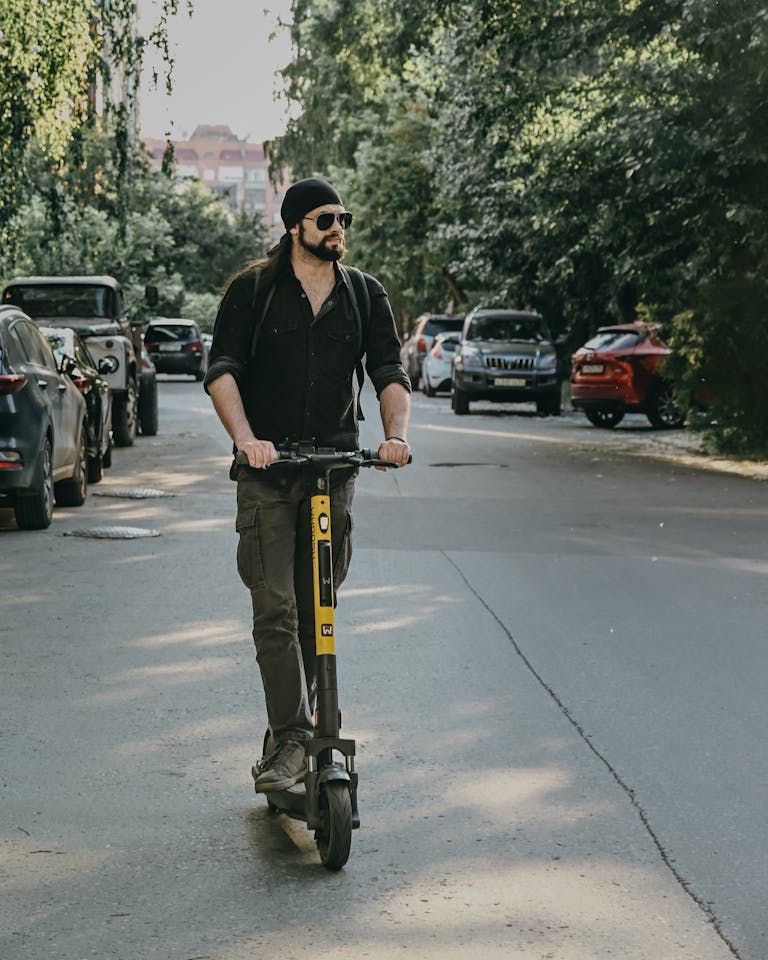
<point>313,783</point>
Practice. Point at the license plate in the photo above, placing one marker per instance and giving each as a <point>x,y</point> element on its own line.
<point>593,368</point>
<point>509,382</point>
<point>169,347</point>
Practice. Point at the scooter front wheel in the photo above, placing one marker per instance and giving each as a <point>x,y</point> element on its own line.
<point>334,835</point>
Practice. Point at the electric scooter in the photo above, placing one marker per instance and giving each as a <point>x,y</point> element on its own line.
<point>327,799</point>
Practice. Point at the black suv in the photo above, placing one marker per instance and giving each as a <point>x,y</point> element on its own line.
<point>506,355</point>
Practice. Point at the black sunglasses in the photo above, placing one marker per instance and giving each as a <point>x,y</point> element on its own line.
<point>324,221</point>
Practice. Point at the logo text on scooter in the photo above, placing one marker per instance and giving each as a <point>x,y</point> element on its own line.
<point>326,629</point>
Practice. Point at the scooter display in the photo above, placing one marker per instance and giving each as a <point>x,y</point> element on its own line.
<point>327,799</point>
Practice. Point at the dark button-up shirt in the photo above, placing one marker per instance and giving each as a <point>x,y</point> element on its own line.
<point>298,383</point>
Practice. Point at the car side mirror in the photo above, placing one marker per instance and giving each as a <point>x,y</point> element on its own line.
<point>67,365</point>
<point>108,365</point>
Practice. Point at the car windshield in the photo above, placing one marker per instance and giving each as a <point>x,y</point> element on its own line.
<point>169,333</point>
<point>507,328</point>
<point>613,340</point>
<point>63,300</point>
<point>448,342</point>
<point>57,342</point>
<point>440,324</point>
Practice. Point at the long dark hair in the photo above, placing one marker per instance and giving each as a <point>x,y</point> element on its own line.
<point>268,267</point>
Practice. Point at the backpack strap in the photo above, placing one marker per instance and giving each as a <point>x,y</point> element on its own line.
<point>361,307</point>
<point>261,313</point>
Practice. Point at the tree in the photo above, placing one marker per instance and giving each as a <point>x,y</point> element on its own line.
<point>60,63</point>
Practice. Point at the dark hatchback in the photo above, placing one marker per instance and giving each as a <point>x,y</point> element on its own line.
<point>88,375</point>
<point>42,426</point>
<point>176,346</point>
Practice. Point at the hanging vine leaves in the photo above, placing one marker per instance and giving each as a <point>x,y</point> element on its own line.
<point>65,65</point>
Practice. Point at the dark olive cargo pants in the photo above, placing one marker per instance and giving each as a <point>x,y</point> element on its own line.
<point>274,560</point>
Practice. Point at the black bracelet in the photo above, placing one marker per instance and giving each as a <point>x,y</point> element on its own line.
<point>395,438</point>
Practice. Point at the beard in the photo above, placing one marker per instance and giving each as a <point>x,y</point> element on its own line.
<point>321,250</point>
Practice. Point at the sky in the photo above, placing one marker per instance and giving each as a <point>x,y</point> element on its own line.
<point>225,70</point>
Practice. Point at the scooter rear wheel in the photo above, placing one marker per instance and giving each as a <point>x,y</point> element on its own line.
<point>334,835</point>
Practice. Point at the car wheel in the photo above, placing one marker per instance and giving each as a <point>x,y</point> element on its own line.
<point>459,401</point>
<point>72,492</point>
<point>602,417</point>
<point>664,411</point>
<point>427,388</point>
<point>125,417</point>
<point>599,417</point>
<point>96,467</point>
<point>148,406</point>
<point>34,511</point>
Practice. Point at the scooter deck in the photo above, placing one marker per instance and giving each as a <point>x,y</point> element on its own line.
<point>291,801</point>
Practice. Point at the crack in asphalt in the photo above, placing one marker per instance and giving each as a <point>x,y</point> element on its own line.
<point>630,793</point>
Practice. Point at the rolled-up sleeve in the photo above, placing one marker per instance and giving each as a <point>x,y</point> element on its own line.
<point>381,343</point>
<point>232,332</point>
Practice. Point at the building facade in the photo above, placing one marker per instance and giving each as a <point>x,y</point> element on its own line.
<point>234,169</point>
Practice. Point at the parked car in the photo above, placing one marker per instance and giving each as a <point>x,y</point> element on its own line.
<point>96,308</point>
<point>148,411</point>
<point>436,369</point>
<point>176,346</point>
<point>618,371</point>
<point>89,376</point>
<point>43,426</point>
<point>419,343</point>
<point>508,356</point>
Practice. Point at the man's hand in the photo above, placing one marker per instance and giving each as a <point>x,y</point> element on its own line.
<point>260,453</point>
<point>394,451</point>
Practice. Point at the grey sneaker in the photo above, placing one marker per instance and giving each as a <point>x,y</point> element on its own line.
<point>286,766</point>
<point>270,744</point>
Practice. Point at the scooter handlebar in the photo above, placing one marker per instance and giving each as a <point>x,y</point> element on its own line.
<point>341,458</point>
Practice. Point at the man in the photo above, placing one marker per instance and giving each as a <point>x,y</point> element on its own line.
<point>285,346</point>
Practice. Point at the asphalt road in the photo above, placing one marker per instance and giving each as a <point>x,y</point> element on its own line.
<point>552,655</point>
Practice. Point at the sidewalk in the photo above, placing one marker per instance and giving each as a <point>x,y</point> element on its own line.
<point>679,446</point>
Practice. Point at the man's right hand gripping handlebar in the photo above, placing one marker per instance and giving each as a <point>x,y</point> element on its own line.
<point>260,453</point>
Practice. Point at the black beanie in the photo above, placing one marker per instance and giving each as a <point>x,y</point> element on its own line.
<point>304,196</point>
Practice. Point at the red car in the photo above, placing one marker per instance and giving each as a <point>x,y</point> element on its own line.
<point>617,372</point>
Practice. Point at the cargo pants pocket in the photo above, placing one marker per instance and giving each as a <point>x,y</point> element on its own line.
<point>249,562</point>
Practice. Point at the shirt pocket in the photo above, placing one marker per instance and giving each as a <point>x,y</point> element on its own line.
<point>340,341</point>
<point>279,325</point>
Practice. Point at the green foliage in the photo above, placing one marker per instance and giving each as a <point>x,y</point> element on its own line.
<point>175,235</point>
<point>202,308</point>
<point>563,151</point>
<point>67,66</point>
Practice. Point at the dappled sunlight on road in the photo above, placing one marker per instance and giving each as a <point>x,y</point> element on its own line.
<point>140,681</point>
<point>195,526</point>
<point>393,589</point>
<point>197,634</point>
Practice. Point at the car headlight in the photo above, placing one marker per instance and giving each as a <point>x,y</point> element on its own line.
<point>548,363</point>
<point>469,356</point>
